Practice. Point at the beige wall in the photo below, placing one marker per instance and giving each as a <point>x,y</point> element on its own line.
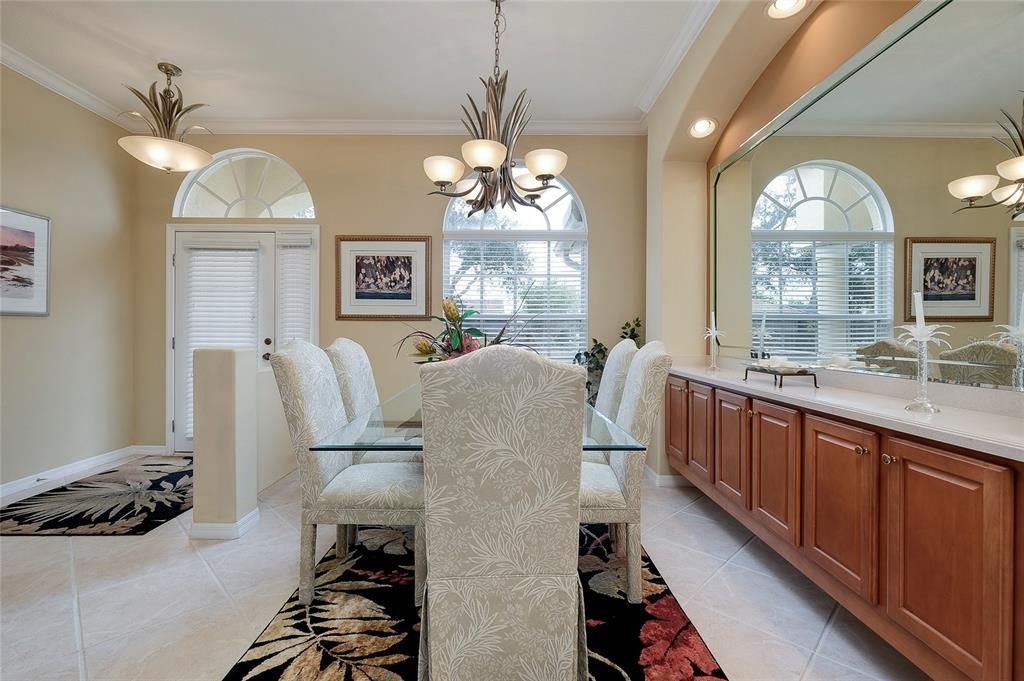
<point>67,379</point>
<point>912,173</point>
<point>375,185</point>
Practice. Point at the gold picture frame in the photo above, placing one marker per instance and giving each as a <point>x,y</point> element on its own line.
<point>971,301</point>
<point>381,278</point>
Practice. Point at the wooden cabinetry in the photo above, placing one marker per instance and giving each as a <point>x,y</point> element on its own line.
<point>700,417</point>
<point>840,513</point>
<point>675,422</point>
<point>732,447</point>
<point>775,469</point>
<point>950,553</point>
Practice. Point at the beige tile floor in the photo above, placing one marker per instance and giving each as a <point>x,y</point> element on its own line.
<point>163,606</point>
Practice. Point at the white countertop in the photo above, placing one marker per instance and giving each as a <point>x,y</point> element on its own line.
<point>997,434</point>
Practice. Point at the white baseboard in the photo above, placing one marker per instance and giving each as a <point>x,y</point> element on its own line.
<point>62,475</point>
<point>666,480</point>
<point>225,530</point>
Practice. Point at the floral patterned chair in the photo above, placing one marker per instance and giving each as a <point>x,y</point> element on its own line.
<point>334,490</point>
<point>610,492</point>
<point>359,393</point>
<point>980,363</point>
<point>502,429</point>
<point>609,393</point>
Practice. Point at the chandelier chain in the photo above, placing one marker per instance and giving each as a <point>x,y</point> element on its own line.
<point>499,20</point>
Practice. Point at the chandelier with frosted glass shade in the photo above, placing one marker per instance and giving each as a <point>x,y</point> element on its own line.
<point>495,180</point>
<point>974,188</point>
<point>164,147</point>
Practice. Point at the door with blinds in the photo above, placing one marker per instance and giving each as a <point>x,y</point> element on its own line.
<point>235,289</point>
<point>224,298</point>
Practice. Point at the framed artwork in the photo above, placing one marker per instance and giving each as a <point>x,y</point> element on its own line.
<point>382,277</point>
<point>957,277</point>
<point>24,263</point>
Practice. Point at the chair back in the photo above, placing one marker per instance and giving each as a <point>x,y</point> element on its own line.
<point>613,378</point>
<point>355,376</point>
<point>313,409</point>
<point>644,391</point>
<point>502,434</point>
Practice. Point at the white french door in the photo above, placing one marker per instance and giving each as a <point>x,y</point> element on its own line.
<point>224,297</point>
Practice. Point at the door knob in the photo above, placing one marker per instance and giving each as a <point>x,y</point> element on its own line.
<point>267,341</point>
<point>886,459</point>
<point>266,356</point>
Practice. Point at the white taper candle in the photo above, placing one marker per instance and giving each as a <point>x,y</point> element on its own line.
<point>919,308</point>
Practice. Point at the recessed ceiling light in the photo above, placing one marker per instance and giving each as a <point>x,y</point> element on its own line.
<point>781,9</point>
<point>702,127</point>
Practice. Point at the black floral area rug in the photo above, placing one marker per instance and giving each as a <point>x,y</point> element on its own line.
<point>362,623</point>
<point>134,498</point>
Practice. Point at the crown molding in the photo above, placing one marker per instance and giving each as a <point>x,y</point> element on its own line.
<point>687,35</point>
<point>266,126</point>
<point>55,82</point>
<point>864,129</point>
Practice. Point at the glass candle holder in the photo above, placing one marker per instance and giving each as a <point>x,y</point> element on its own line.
<point>921,404</point>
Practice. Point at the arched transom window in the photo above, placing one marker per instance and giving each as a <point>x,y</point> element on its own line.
<point>535,262</point>
<point>244,183</point>
<point>822,261</point>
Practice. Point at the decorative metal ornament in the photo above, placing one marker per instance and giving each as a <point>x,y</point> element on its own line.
<point>496,186</point>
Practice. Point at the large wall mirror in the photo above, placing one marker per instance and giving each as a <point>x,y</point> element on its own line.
<point>825,227</point>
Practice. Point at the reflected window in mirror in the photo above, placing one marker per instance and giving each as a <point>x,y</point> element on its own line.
<point>821,261</point>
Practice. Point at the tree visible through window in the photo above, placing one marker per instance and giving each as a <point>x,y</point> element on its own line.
<point>503,260</point>
<point>822,261</point>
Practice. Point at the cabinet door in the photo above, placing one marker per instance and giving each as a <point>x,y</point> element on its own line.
<point>675,422</point>
<point>950,552</point>
<point>775,469</point>
<point>732,447</point>
<point>840,515</point>
<point>701,432</point>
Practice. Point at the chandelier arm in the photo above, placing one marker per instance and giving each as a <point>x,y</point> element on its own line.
<point>980,205</point>
<point>1013,138</point>
<point>1019,139</point>
<point>469,124</point>
<point>456,195</point>
<point>478,123</point>
<point>514,115</point>
<point>142,118</point>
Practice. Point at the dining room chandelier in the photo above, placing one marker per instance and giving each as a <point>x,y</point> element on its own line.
<point>164,147</point>
<point>496,180</point>
<point>973,188</point>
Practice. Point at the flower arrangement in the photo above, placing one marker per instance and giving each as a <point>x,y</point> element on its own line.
<point>458,336</point>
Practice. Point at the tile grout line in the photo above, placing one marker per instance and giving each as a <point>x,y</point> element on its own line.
<point>76,612</point>
<point>717,570</point>
<point>821,637</point>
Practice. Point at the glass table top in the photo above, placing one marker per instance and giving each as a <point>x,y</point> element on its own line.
<point>396,425</point>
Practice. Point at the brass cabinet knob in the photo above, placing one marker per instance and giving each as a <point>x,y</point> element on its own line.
<point>886,459</point>
<point>861,450</point>
<point>750,414</point>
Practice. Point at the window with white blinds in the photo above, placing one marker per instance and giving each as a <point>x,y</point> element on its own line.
<point>821,261</point>
<point>295,285</point>
<point>222,306</point>
<point>535,262</point>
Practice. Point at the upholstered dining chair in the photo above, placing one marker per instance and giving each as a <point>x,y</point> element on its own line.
<point>359,393</point>
<point>613,380</point>
<point>502,428</point>
<point>610,492</point>
<point>334,490</point>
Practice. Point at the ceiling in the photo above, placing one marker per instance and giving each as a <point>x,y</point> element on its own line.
<point>948,78</point>
<point>371,66</point>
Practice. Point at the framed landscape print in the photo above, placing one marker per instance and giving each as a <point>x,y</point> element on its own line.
<point>957,277</point>
<point>382,277</point>
<point>24,263</point>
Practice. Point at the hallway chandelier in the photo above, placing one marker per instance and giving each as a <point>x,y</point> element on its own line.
<point>497,181</point>
<point>973,188</point>
<point>164,148</point>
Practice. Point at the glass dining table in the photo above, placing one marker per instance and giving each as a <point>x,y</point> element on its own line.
<point>397,425</point>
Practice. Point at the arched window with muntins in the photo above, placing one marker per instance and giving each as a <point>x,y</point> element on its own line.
<point>822,261</point>
<point>503,260</point>
<point>244,184</point>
